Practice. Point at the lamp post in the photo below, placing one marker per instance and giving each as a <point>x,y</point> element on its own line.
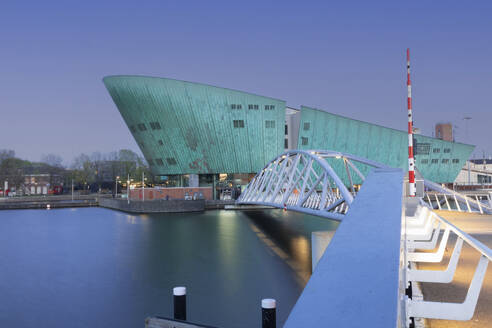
<point>466,119</point>
<point>116,187</point>
<point>128,189</point>
<point>143,186</point>
<point>72,190</point>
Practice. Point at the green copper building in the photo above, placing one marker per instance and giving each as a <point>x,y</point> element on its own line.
<point>185,128</point>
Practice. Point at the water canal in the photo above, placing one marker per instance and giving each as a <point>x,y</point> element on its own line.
<point>94,267</point>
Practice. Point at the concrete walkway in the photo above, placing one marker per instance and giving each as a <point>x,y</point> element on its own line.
<point>480,227</point>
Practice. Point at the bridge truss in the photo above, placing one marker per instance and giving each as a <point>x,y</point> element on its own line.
<point>305,181</point>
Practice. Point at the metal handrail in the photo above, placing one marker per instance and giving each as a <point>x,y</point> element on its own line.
<point>477,204</point>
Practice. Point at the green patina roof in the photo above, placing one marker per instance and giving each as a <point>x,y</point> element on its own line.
<point>197,129</point>
<point>381,144</point>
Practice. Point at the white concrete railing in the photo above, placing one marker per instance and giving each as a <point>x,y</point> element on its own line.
<point>421,232</point>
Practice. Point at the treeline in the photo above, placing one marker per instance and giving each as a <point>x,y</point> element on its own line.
<point>89,172</point>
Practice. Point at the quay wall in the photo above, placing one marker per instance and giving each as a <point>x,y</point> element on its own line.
<point>155,206</point>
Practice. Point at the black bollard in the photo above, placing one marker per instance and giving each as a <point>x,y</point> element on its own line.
<point>179,294</point>
<point>268,313</point>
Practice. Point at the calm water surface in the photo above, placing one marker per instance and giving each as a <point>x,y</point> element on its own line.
<point>94,267</point>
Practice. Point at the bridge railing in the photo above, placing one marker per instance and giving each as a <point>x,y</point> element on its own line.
<point>422,233</point>
<point>443,198</point>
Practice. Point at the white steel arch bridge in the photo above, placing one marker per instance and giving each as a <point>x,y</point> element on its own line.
<point>305,181</point>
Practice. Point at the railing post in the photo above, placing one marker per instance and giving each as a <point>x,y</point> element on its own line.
<point>268,313</point>
<point>179,294</point>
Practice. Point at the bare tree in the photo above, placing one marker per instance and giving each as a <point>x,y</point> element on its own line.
<point>52,160</point>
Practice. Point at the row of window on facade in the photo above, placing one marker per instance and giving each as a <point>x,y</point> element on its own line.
<point>269,124</point>
<point>251,106</point>
<point>160,162</point>
<point>142,127</point>
<point>436,160</point>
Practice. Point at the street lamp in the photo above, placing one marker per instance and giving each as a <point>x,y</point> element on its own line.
<point>116,187</point>
<point>466,119</point>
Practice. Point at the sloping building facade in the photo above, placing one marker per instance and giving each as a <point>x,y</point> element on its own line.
<point>437,160</point>
<point>191,128</point>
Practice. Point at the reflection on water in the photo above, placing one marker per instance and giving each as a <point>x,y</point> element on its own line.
<point>288,234</point>
<point>95,267</point>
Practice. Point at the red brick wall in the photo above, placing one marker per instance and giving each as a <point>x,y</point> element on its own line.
<point>173,193</point>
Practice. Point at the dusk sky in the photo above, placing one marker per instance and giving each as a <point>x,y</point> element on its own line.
<point>346,58</point>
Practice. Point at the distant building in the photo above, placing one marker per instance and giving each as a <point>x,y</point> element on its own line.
<point>476,172</point>
<point>444,131</point>
<point>42,184</point>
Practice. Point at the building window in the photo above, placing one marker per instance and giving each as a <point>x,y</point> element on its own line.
<point>445,161</point>
<point>269,107</point>
<point>238,123</point>
<point>307,125</point>
<point>484,178</point>
<point>171,161</point>
<point>456,160</point>
<point>142,144</point>
<point>435,161</point>
<point>304,141</point>
<point>159,161</point>
<point>286,129</point>
<point>236,106</point>
<point>286,143</point>
<point>253,106</point>
<point>142,127</point>
<point>269,124</point>
<point>151,162</point>
<point>155,125</point>
<point>436,150</point>
<point>447,150</point>
<point>422,148</point>
<point>160,142</point>
<point>132,128</point>
<point>424,161</point>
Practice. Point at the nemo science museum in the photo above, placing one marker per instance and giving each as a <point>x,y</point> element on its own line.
<point>198,135</point>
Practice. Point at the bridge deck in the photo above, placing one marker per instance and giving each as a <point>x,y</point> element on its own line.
<point>356,282</point>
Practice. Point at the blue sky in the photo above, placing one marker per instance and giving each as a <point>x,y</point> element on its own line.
<point>346,57</point>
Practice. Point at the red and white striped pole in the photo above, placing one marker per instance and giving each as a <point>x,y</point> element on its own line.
<point>411,161</point>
